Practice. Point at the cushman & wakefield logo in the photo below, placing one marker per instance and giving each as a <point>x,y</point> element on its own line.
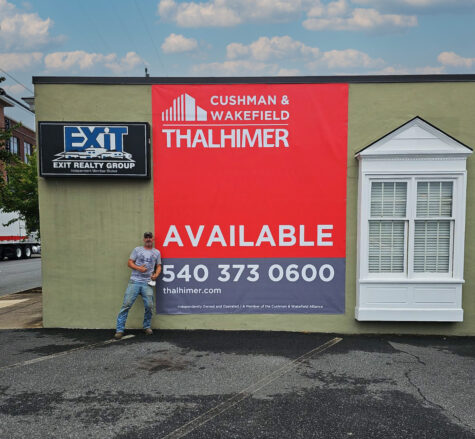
<point>259,121</point>
<point>184,108</point>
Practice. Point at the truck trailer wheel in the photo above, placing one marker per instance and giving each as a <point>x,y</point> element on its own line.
<point>27,252</point>
<point>17,253</point>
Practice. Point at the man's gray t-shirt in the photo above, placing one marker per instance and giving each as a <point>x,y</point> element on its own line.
<point>141,256</point>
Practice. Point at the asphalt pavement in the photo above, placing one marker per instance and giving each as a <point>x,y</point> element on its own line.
<point>207,384</point>
<point>20,275</point>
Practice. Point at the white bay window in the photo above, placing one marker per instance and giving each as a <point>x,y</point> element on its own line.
<point>411,226</point>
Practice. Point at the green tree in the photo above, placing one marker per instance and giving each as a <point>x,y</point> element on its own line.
<point>19,193</point>
<point>5,155</point>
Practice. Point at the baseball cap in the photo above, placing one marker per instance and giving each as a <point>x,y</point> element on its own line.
<point>148,235</point>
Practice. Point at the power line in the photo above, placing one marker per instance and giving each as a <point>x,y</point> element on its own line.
<point>96,28</point>
<point>151,37</point>
<point>16,80</point>
<point>127,33</point>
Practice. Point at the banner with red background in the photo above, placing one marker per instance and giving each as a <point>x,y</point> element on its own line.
<point>250,197</point>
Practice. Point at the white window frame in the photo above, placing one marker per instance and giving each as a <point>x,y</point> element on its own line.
<point>415,152</point>
<point>368,218</point>
<point>455,257</point>
<point>14,141</point>
<point>26,146</point>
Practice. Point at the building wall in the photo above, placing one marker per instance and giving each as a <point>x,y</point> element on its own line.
<point>89,227</point>
<point>23,134</point>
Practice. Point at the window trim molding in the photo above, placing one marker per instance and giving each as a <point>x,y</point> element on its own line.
<point>458,213</point>
<point>401,156</point>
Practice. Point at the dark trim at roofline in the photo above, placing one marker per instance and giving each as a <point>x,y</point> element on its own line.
<point>360,79</point>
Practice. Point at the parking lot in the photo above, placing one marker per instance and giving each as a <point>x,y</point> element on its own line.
<point>195,384</point>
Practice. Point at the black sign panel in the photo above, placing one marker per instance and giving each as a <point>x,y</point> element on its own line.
<point>94,149</point>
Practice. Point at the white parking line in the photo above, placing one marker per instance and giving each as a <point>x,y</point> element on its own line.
<point>62,354</point>
<point>7,302</point>
<point>247,392</point>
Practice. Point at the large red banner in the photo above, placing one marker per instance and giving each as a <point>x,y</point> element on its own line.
<point>250,171</point>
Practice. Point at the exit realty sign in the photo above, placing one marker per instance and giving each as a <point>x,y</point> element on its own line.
<point>94,149</point>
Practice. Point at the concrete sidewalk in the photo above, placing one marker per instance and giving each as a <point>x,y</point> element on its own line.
<point>207,384</point>
<point>21,310</point>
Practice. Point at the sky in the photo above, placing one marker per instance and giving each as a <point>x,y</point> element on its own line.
<point>231,38</point>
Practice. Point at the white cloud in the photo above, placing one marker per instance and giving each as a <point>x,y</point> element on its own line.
<point>420,6</point>
<point>347,59</point>
<point>124,64</point>
<point>22,31</point>
<point>176,43</point>
<point>192,14</point>
<point>335,15</point>
<point>448,60</point>
<point>82,60</point>
<point>451,59</point>
<point>288,72</point>
<point>224,13</point>
<point>235,68</point>
<point>237,50</point>
<point>286,49</point>
<point>412,3</point>
<point>400,70</point>
<point>78,58</point>
<point>6,8</point>
<point>332,9</point>
<point>266,48</point>
<point>327,61</point>
<point>19,61</point>
<point>338,16</point>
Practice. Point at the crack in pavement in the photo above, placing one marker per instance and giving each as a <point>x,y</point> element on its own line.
<point>412,355</point>
<point>421,394</point>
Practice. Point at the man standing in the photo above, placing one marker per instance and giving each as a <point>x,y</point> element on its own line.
<point>145,263</point>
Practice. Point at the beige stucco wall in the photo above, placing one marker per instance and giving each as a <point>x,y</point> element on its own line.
<point>90,226</point>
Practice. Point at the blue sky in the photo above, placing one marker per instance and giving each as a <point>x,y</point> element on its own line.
<point>232,38</point>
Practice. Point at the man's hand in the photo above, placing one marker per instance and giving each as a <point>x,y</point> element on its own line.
<point>157,272</point>
<point>142,269</point>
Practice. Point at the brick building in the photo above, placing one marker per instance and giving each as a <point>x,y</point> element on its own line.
<point>23,140</point>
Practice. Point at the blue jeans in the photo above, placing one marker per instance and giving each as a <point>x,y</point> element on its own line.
<point>131,293</point>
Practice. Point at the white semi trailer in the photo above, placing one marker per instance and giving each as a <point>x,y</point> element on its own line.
<point>15,243</point>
